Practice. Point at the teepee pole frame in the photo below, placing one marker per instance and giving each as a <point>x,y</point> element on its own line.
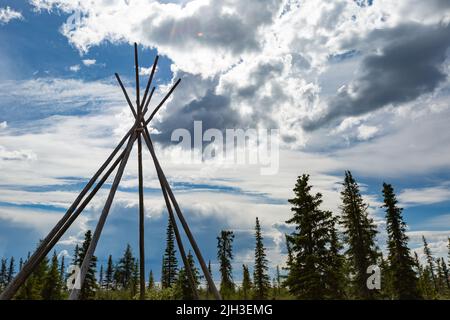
<point>138,131</point>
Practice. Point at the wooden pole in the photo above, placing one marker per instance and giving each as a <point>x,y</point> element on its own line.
<point>136,64</point>
<point>163,101</point>
<point>40,252</point>
<point>141,184</point>
<point>126,95</point>
<point>168,205</point>
<point>149,82</point>
<point>148,101</point>
<point>180,216</point>
<point>187,266</point>
<point>141,222</point>
<point>101,222</point>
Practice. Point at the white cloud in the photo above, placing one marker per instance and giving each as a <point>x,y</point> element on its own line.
<point>7,14</point>
<point>253,54</point>
<point>367,132</point>
<point>424,196</point>
<point>75,68</point>
<point>437,241</point>
<point>89,62</point>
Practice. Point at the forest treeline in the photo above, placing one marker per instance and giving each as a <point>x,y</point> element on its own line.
<point>328,257</point>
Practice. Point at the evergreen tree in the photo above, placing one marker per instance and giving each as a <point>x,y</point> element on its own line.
<point>246,283</point>
<point>100,278</point>
<point>90,282</point>
<point>445,274</point>
<point>404,281</point>
<point>52,285</point>
<point>290,258</point>
<point>32,288</point>
<point>430,261</point>
<point>151,281</point>
<point>3,274</point>
<point>125,269</point>
<point>310,243</point>
<point>387,290</point>
<point>183,287</point>
<point>170,263</point>
<point>359,235</point>
<point>135,279</point>
<point>62,271</point>
<point>225,255</point>
<point>260,277</point>
<point>20,264</point>
<point>109,275</point>
<point>76,258</point>
<point>11,270</point>
<point>335,277</point>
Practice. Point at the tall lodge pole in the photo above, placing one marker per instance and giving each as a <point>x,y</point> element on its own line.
<point>74,295</point>
<point>188,232</point>
<point>141,182</point>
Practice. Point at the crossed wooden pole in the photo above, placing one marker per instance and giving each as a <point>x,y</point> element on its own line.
<point>137,132</point>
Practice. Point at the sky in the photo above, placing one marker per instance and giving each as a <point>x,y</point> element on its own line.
<point>349,85</point>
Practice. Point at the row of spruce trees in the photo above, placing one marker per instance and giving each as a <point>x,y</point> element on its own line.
<point>328,257</point>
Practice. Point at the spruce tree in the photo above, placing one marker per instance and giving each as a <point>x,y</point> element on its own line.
<point>446,274</point>
<point>100,278</point>
<point>151,281</point>
<point>430,262</point>
<point>135,279</point>
<point>246,283</point>
<point>290,258</point>
<point>53,284</point>
<point>125,269</point>
<point>387,290</point>
<point>170,263</point>
<point>90,282</point>
<point>20,264</point>
<point>260,277</point>
<point>334,274</point>
<point>76,258</point>
<point>309,245</point>
<point>183,287</point>
<point>3,274</point>
<point>109,275</point>
<point>404,281</point>
<point>359,235</point>
<point>225,255</point>
<point>32,288</point>
<point>62,272</point>
<point>11,270</point>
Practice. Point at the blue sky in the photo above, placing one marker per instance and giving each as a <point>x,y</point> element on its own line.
<point>320,72</point>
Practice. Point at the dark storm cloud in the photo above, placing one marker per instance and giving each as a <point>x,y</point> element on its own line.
<point>213,110</point>
<point>409,65</point>
<point>216,111</point>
